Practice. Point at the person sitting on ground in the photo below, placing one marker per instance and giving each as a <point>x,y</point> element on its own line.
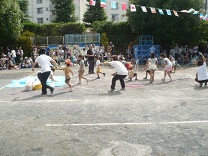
<point>201,71</point>
<point>131,73</point>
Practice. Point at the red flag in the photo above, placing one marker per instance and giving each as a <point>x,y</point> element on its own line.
<point>133,8</point>
<point>123,6</point>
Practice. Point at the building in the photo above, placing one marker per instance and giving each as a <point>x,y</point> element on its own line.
<point>43,11</point>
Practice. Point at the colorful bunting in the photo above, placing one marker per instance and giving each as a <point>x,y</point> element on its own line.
<point>161,11</point>
<point>153,10</point>
<point>168,12</point>
<point>144,9</point>
<point>175,12</point>
<point>113,5</point>
<point>191,10</point>
<point>196,12</point>
<point>123,6</point>
<point>205,17</point>
<point>133,8</point>
<point>201,16</point>
<point>92,2</point>
<point>103,3</point>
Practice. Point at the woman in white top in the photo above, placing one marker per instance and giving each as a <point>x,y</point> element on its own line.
<point>201,72</point>
<point>168,66</point>
<point>120,74</point>
<point>45,64</point>
<point>152,66</point>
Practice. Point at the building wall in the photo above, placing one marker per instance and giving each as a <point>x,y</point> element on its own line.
<point>43,11</point>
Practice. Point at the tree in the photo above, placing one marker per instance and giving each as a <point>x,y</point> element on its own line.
<point>10,21</point>
<point>23,4</point>
<point>182,29</point>
<point>95,13</point>
<point>64,11</point>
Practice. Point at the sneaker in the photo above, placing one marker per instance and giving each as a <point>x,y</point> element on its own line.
<point>145,78</point>
<point>52,90</point>
<point>87,81</point>
<point>112,90</point>
<point>163,79</point>
<point>171,80</point>
<point>123,88</point>
<point>98,77</point>
<point>104,74</point>
<point>79,82</point>
<point>70,90</point>
<point>43,94</point>
<point>136,79</point>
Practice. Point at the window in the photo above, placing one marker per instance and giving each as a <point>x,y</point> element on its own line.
<point>114,17</point>
<point>39,1</point>
<point>39,10</point>
<point>40,20</point>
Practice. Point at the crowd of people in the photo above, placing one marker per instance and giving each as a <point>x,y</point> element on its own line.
<point>95,57</point>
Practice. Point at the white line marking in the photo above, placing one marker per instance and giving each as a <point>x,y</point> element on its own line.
<point>128,123</point>
<point>190,76</point>
<point>91,100</point>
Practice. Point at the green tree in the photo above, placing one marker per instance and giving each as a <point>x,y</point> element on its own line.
<point>95,13</point>
<point>64,11</point>
<point>23,4</point>
<point>10,22</point>
<point>182,29</point>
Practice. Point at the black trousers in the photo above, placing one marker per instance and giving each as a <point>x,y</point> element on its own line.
<point>43,78</point>
<point>118,77</point>
<point>91,66</point>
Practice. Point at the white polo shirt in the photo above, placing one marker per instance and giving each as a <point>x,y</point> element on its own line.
<point>202,72</point>
<point>44,62</point>
<point>120,68</point>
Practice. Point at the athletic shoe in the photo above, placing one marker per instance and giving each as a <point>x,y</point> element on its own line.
<point>98,77</point>
<point>52,90</point>
<point>104,74</point>
<point>43,94</point>
<point>87,81</point>
<point>163,79</point>
<point>145,78</point>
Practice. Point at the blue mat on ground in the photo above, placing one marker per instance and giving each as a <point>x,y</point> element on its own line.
<point>22,82</point>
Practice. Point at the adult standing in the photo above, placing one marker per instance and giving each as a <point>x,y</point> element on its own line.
<point>120,74</point>
<point>112,48</point>
<point>91,62</point>
<point>45,62</point>
<point>13,53</point>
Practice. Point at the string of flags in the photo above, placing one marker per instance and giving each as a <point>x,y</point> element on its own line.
<point>114,5</point>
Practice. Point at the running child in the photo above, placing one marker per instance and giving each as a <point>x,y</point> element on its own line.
<point>67,70</point>
<point>131,73</point>
<point>81,69</point>
<point>147,70</point>
<point>152,66</point>
<point>168,66</point>
<point>98,67</point>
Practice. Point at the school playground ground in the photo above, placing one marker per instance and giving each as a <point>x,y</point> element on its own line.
<point>163,119</point>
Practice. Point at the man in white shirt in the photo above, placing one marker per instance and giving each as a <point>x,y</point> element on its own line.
<point>120,74</point>
<point>45,64</point>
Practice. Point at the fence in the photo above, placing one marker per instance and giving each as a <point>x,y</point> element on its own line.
<point>47,40</point>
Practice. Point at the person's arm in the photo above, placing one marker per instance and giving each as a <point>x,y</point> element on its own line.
<point>203,58</point>
<point>33,65</point>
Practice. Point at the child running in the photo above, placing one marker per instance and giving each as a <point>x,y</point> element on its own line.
<point>67,70</point>
<point>131,73</point>
<point>168,66</point>
<point>98,68</point>
<point>152,66</point>
<point>147,70</point>
<point>81,69</point>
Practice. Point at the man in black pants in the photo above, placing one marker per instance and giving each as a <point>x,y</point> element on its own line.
<point>91,62</point>
<point>120,74</point>
<point>45,64</point>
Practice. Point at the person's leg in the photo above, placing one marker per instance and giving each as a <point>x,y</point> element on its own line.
<point>168,72</point>
<point>121,78</point>
<point>114,79</point>
<point>90,66</point>
<point>93,66</point>
<point>44,77</point>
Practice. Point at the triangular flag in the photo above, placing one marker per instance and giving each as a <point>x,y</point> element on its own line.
<point>168,12</point>
<point>191,10</point>
<point>201,16</point>
<point>113,5</point>
<point>153,10</point>
<point>103,3</point>
<point>144,9</point>
<point>205,17</point>
<point>161,11</point>
<point>133,8</point>
<point>196,12</point>
<point>92,2</point>
<point>123,6</point>
<point>184,11</point>
<point>175,12</point>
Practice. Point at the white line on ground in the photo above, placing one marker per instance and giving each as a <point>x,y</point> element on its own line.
<point>103,100</point>
<point>128,123</point>
<point>190,76</point>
